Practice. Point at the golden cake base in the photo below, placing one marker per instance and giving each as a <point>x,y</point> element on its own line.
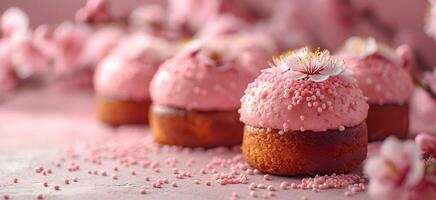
<point>192,128</point>
<point>307,153</point>
<point>116,112</point>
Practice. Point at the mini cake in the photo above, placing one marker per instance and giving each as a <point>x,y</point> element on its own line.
<point>196,97</point>
<point>383,76</point>
<point>304,116</point>
<point>122,80</point>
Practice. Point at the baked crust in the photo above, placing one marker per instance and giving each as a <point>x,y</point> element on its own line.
<point>307,153</point>
<point>116,112</point>
<point>193,128</point>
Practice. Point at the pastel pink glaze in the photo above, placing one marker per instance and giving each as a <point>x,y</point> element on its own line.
<point>186,81</point>
<point>272,101</point>
<point>122,78</point>
<point>382,81</point>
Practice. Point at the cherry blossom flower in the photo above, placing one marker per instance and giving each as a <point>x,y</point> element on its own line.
<point>95,11</point>
<point>14,22</point>
<point>396,172</point>
<point>361,48</point>
<point>430,27</point>
<point>317,66</point>
<point>8,77</point>
<point>427,143</point>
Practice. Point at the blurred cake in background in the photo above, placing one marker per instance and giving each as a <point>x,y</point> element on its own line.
<point>384,77</point>
<point>122,79</point>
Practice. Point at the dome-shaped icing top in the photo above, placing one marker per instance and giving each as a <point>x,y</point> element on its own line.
<point>379,71</point>
<point>304,90</point>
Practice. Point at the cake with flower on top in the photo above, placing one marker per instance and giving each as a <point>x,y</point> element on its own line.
<point>303,116</point>
<point>383,75</point>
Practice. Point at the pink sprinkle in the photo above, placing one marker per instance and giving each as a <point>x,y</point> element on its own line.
<point>6,197</point>
<point>267,177</point>
<point>252,186</point>
<point>103,173</point>
<point>57,187</point>
<point>271,188</point>
<point>116,169</point>
<point>208,183</point>
<point>49,171</point>
<point>174,184</point>
<point>39,169</point>
<point>133,173</point>
<point>39,197</point>
<point>196,181</point>
<point>114,177</point>
<point>284,185</point>
<point>147,178</point>
<point>249,172</point>
<point>143,191</point>
<point>253,194</point>
<point>203,171</point>
<point>67,181</point>
<point>256,171</point>
<point>15,180</point>
<point>261,186</point>
<point>45,184</point>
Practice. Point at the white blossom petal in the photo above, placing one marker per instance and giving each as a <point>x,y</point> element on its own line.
<point>294,75</point>
<point>318,77</point>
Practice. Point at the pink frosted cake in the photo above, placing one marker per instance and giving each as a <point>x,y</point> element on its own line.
<point>196,97</point>
<point>122,79</point>
<point>304,116</point>
<point>383,76</point>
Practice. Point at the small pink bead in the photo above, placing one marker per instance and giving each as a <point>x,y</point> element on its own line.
<point>253,194</point>
<point>256,171</point>
<point>147,178</point>
<point>75,179</point>
<point>45,184</point>
<point>133,173</point>
<point>15,180</point>
<point>284,185</point>
<point>114,177</point>
<point>143,191</point>
<point>267,177</point>
<point>261,186</point>
<point>103,173</point>
<point>40,197</point>
<point>271,188</point>
<point>39,169</point>
<point>234,194</point>
<point>174,184</point>
<point>252,186</point>
<point>196,181</point>
<point>6,197</point>
<point>208,183</point>
<point>56,187</point>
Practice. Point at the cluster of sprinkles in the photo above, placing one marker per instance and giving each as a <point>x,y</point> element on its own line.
<point>128,155</point>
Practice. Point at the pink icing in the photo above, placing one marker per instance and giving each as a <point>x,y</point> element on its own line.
<point>118,77</point>
<point>193,80</point>
<point>381,81</point>
<point>273,101</point>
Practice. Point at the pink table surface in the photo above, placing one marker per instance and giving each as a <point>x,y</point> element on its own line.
<point>36,126</point>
